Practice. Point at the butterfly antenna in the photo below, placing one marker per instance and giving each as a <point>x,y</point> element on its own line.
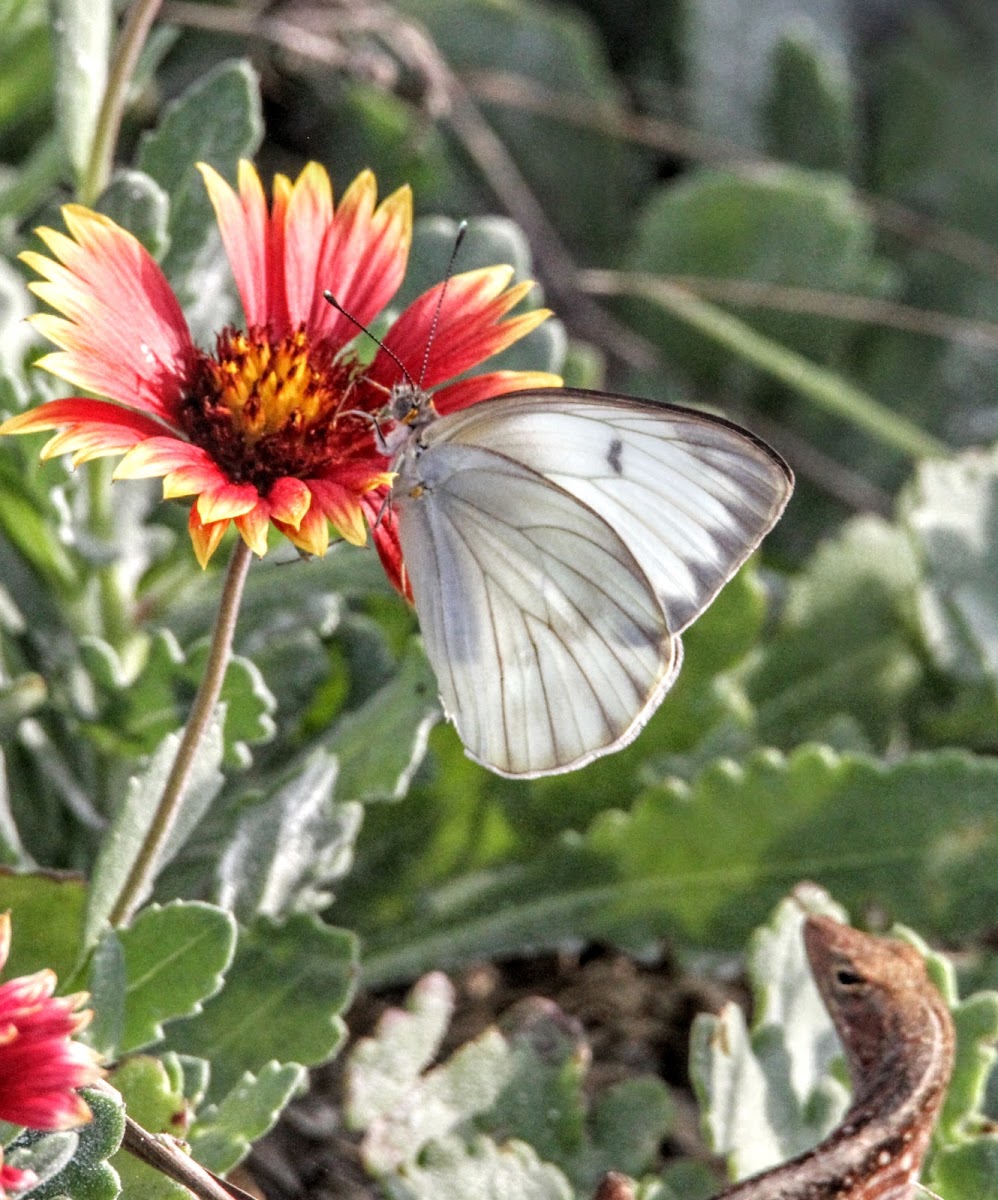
<point>462,229</point>
<point>331,299</point>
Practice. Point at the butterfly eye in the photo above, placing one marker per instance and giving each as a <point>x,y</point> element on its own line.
<point>846,978</point>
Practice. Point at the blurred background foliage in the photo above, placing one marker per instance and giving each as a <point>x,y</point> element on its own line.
<point>824,173</point>
<point>784,210</point>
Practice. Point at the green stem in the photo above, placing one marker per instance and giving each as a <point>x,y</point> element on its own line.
<point>143,869</point>
<point>133,36</point>
<point>823,387</point>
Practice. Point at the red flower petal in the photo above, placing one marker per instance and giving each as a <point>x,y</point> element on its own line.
<point>245,227</point>
<point>384,527</point>
<point>79,409</point>
<point>364,258</point>
<point>14,1179</point>
<point>193,478</point>
<point>308,219</point>
<point>40,1066</point>
<point>123,333</point>
<point>342,507</point>
<point>289,500</point>
<point>204,538</point>
<point>253,526</point>
<point>163,456</point>
<point>469,328</point>
<point>311,534</point>
<point>220,500</point>
<point>459,395</point>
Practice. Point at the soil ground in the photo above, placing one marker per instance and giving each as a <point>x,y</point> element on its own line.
<point>636,1018</point>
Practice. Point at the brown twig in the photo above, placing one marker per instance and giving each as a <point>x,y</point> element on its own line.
<point>672,138</point>
<point>447,100</point>
<point>164,1155</point>
<point>840,306</point>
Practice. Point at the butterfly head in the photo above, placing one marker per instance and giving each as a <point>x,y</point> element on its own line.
<point>409,410</point>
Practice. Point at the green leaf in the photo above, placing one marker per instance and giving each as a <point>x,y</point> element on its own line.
<point>433,1106</point>
<point>139,698</point>
<point>217,121</point>
<point>15,306</point>
<point>247,699</point>
<point>976,1022</point>
<point>46,911</point>
<point>12,852</point>
<point>382,1069</point>
<point>82,30</point>
<point>549,47</point>
<point>153,1097</point>
<point>766,1095</point>
<point>106,984</point>
<point>26,71</point>
<point>841,655</point>
<point>763,826</point>
<point>706,862</point>
<point>153,1093</point>
<point>27,520</point>
<point>783,226</point>
<point>809,115</point>
<point>526,1078</point>
<point>728,52</point>
<point>933,121</point>
<point>223,1133</point>
<point>19,698</point>
<point>950,511</point>
<point>629,1123</point>
<point>137,203</point>
<point>282,1001</point>
<point>289,845</point>
<point>135,704</point>
<point>45,1157</point>
<point>450,1170</point>
<point>968,1172</point>
<point>687,1180</point>
<point>130,825</point>
<point>175,958</point>
<point>87,1176</point>
<point>544,1101</point>
<point>381,744</point>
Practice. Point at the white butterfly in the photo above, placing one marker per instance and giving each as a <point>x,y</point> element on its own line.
<point>557,543</point>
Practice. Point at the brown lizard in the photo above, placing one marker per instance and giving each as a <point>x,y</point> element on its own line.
<point>898,1038</point>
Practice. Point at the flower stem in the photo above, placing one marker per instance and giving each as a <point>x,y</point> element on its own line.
<point>143,869</point>
<point>133,36</point>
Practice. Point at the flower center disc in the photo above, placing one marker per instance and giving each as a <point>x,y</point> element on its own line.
<point>265,408</point>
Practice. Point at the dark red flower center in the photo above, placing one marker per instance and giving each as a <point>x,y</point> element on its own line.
<point>265,408</point>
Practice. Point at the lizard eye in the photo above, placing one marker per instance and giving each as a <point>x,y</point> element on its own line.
<point>847,978</point>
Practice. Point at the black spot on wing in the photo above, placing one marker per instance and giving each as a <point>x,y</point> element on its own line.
<point>613,456</point>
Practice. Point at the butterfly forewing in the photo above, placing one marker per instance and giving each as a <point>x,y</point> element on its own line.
<point>690,495</point>
<point>557,542</point>
<point>548,640</point>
